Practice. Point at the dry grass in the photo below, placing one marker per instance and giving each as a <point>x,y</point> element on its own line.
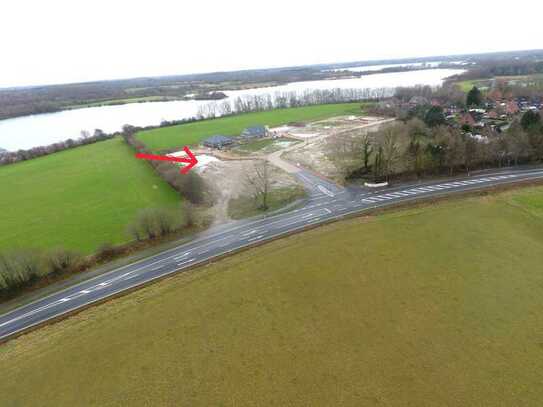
<point>421,307</point>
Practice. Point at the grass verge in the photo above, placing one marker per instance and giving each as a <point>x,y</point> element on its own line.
<point>245,206</point>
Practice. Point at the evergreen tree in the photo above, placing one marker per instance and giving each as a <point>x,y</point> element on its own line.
<point>475,97</point>
<point>434,117</point>
<point>530,120</point>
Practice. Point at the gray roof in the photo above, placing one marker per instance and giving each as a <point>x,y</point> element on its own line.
<point>254,130</point>
<point>218,140</point>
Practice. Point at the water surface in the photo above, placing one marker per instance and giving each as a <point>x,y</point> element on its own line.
<point>43,129</point>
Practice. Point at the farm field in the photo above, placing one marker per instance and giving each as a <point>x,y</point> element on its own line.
<point>438,304</point>
<point>78,198</point>
<point>142,99</point>
<point>193,133</point>
<point>466,85</point>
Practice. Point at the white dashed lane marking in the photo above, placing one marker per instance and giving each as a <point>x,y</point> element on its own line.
<point>431,188</point>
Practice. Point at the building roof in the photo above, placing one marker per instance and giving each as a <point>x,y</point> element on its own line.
<point>254,130</point>
<point>418,101</point>
<point>218,140</point>
<point>467,118</point>
<point>512,107</point>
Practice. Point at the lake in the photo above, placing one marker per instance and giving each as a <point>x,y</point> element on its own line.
<point>37,130</point>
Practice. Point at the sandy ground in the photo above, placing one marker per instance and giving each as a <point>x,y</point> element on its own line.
<point>228,178</point>
<point>317,152</point>
<point>226,171</point>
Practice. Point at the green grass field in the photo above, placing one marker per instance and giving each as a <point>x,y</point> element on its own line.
<point>466,86</point>
<point>77,198</point>
<point>193,133</point>
<point>142,99</point>
<point>429,306</point>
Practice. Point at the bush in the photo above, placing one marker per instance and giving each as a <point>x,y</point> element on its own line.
<point>189,213</point>
<point>18,270</point>
<point>61,261</point>
<point>155,222</point>
<point>106,252</point>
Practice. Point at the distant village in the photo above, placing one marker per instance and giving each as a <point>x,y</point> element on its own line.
<point>496,111</point>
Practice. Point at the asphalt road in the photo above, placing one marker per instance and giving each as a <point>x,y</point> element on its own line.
<point>326,202</point>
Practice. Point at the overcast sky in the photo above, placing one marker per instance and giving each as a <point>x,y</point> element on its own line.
<point>59,41</point>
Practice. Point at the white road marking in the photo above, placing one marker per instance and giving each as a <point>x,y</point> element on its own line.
<point>182,256</point>
<point>255,238</point>
<point>215,241</point>
<point>325,191</point>
<point>305,178</point>
<point>185,262</point>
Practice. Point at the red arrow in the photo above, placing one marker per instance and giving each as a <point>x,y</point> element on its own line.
<point>191,161</point>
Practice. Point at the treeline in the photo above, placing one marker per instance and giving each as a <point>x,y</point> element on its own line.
<point>283,100</point>
<point>507,67</point>
<point>412,148</point>
<point>35,152</point>
<point>24,268</point>
<point>21,270</point>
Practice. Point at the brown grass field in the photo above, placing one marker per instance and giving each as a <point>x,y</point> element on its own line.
<point>438,305</point>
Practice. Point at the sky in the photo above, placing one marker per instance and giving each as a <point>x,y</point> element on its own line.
<point>62,41</point>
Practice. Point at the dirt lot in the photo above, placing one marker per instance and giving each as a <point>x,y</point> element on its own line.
<point>323,139</point>
<point>228,178</point>
<point>311,145</point>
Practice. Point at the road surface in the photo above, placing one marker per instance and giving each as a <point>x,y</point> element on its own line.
<point>327,201</point>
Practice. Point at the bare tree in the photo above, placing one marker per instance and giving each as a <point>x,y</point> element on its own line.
<point>390,145</point>
<point>63,260</point>
<point>366,144</point>
<point>135,231</point>
<point>84,135</point>
<point>258,181</point>
<point>454,149</point>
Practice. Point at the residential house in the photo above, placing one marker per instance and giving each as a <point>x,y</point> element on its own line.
<point>254,132</point>
<point>511,108</point>
<point>218,141</point>
<point>418,101</point>
<point>466,119</point>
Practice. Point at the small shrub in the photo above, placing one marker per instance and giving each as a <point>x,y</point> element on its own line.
<point>62,261</point>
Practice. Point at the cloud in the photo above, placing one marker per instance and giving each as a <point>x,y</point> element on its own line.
<point>69,41</point>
